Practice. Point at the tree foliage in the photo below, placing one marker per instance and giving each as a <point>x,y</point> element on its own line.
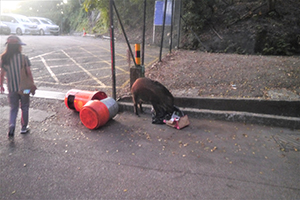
<point>101,6</point>
<point>221,25</point>
<point>197,12</point>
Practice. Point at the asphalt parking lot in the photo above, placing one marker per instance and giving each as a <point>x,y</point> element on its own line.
<point>66,62</point>
<point>130,158</point>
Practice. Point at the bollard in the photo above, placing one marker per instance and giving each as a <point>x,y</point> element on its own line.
<point>76,99</point>
<point>138,54</point>
<point>135,73</point>
<point>96,113</point>
<point>138,70</point>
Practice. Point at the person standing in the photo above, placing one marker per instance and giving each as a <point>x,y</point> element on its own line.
<point>11,64</point>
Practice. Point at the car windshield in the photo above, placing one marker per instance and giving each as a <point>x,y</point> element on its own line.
<point>25,20</point>
<point>35,21</point>
<point>45,21</point>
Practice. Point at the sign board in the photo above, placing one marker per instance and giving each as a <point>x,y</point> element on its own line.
<point>159,13</point>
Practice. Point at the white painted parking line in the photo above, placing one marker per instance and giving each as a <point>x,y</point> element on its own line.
<point>49,70</point>
<point>42,94</point>
<point>50,94</point>
<point>105,61</point>
<point>41,55</point>
<point>87,72</point>
<point>90,69</point>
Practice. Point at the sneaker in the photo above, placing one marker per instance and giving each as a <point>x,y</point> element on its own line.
<point>24,130</point>
<point>11,132</point>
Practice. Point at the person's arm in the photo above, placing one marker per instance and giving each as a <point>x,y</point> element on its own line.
<point>2,80</point>
<point>29,74</point>
<point>28,70</point>
<point>31,77</point>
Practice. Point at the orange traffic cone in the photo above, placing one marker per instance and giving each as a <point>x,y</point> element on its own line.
<point>84,32</point>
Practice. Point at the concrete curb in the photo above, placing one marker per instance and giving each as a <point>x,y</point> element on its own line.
<point>287,121</point>
<point>254,111</point>
<point>261,106</point>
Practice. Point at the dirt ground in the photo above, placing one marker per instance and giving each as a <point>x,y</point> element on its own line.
<point>200,74</point>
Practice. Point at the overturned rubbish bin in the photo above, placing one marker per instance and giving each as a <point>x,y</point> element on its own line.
<point>76,99</point>
<point>96,113</point>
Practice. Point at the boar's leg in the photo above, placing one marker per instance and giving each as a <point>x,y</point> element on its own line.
<point>141,107</point>
<point>159,114</point>
<point>136,109</point>
<point>135,102</point>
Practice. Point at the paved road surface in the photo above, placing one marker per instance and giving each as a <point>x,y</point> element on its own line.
<point>130,158</point>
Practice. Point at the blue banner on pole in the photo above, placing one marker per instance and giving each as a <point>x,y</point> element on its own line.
<point>159,13</point>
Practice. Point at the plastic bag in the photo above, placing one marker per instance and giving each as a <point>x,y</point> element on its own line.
<point>178,119</point>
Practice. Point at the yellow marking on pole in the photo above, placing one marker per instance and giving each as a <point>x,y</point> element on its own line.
<point>138,54</point>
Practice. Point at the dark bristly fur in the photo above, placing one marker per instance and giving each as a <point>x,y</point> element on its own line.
<point>147,90</point>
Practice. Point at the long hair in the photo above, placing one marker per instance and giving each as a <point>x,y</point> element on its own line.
<point>11,50</point>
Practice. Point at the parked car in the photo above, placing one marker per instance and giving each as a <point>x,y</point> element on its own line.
<point>19,24</point>
<point>45,25</point>
<point>4,29</point>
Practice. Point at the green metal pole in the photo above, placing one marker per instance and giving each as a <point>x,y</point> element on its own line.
<point>144,30</point>
<point>163,31</point>
<point>171,37</point>
<point>112,49</point>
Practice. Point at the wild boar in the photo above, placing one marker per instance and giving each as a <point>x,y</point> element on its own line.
<point>150,91</point>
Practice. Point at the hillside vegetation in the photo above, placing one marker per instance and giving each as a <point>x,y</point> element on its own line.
<point>267,27</point>
<point>249,27</point>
